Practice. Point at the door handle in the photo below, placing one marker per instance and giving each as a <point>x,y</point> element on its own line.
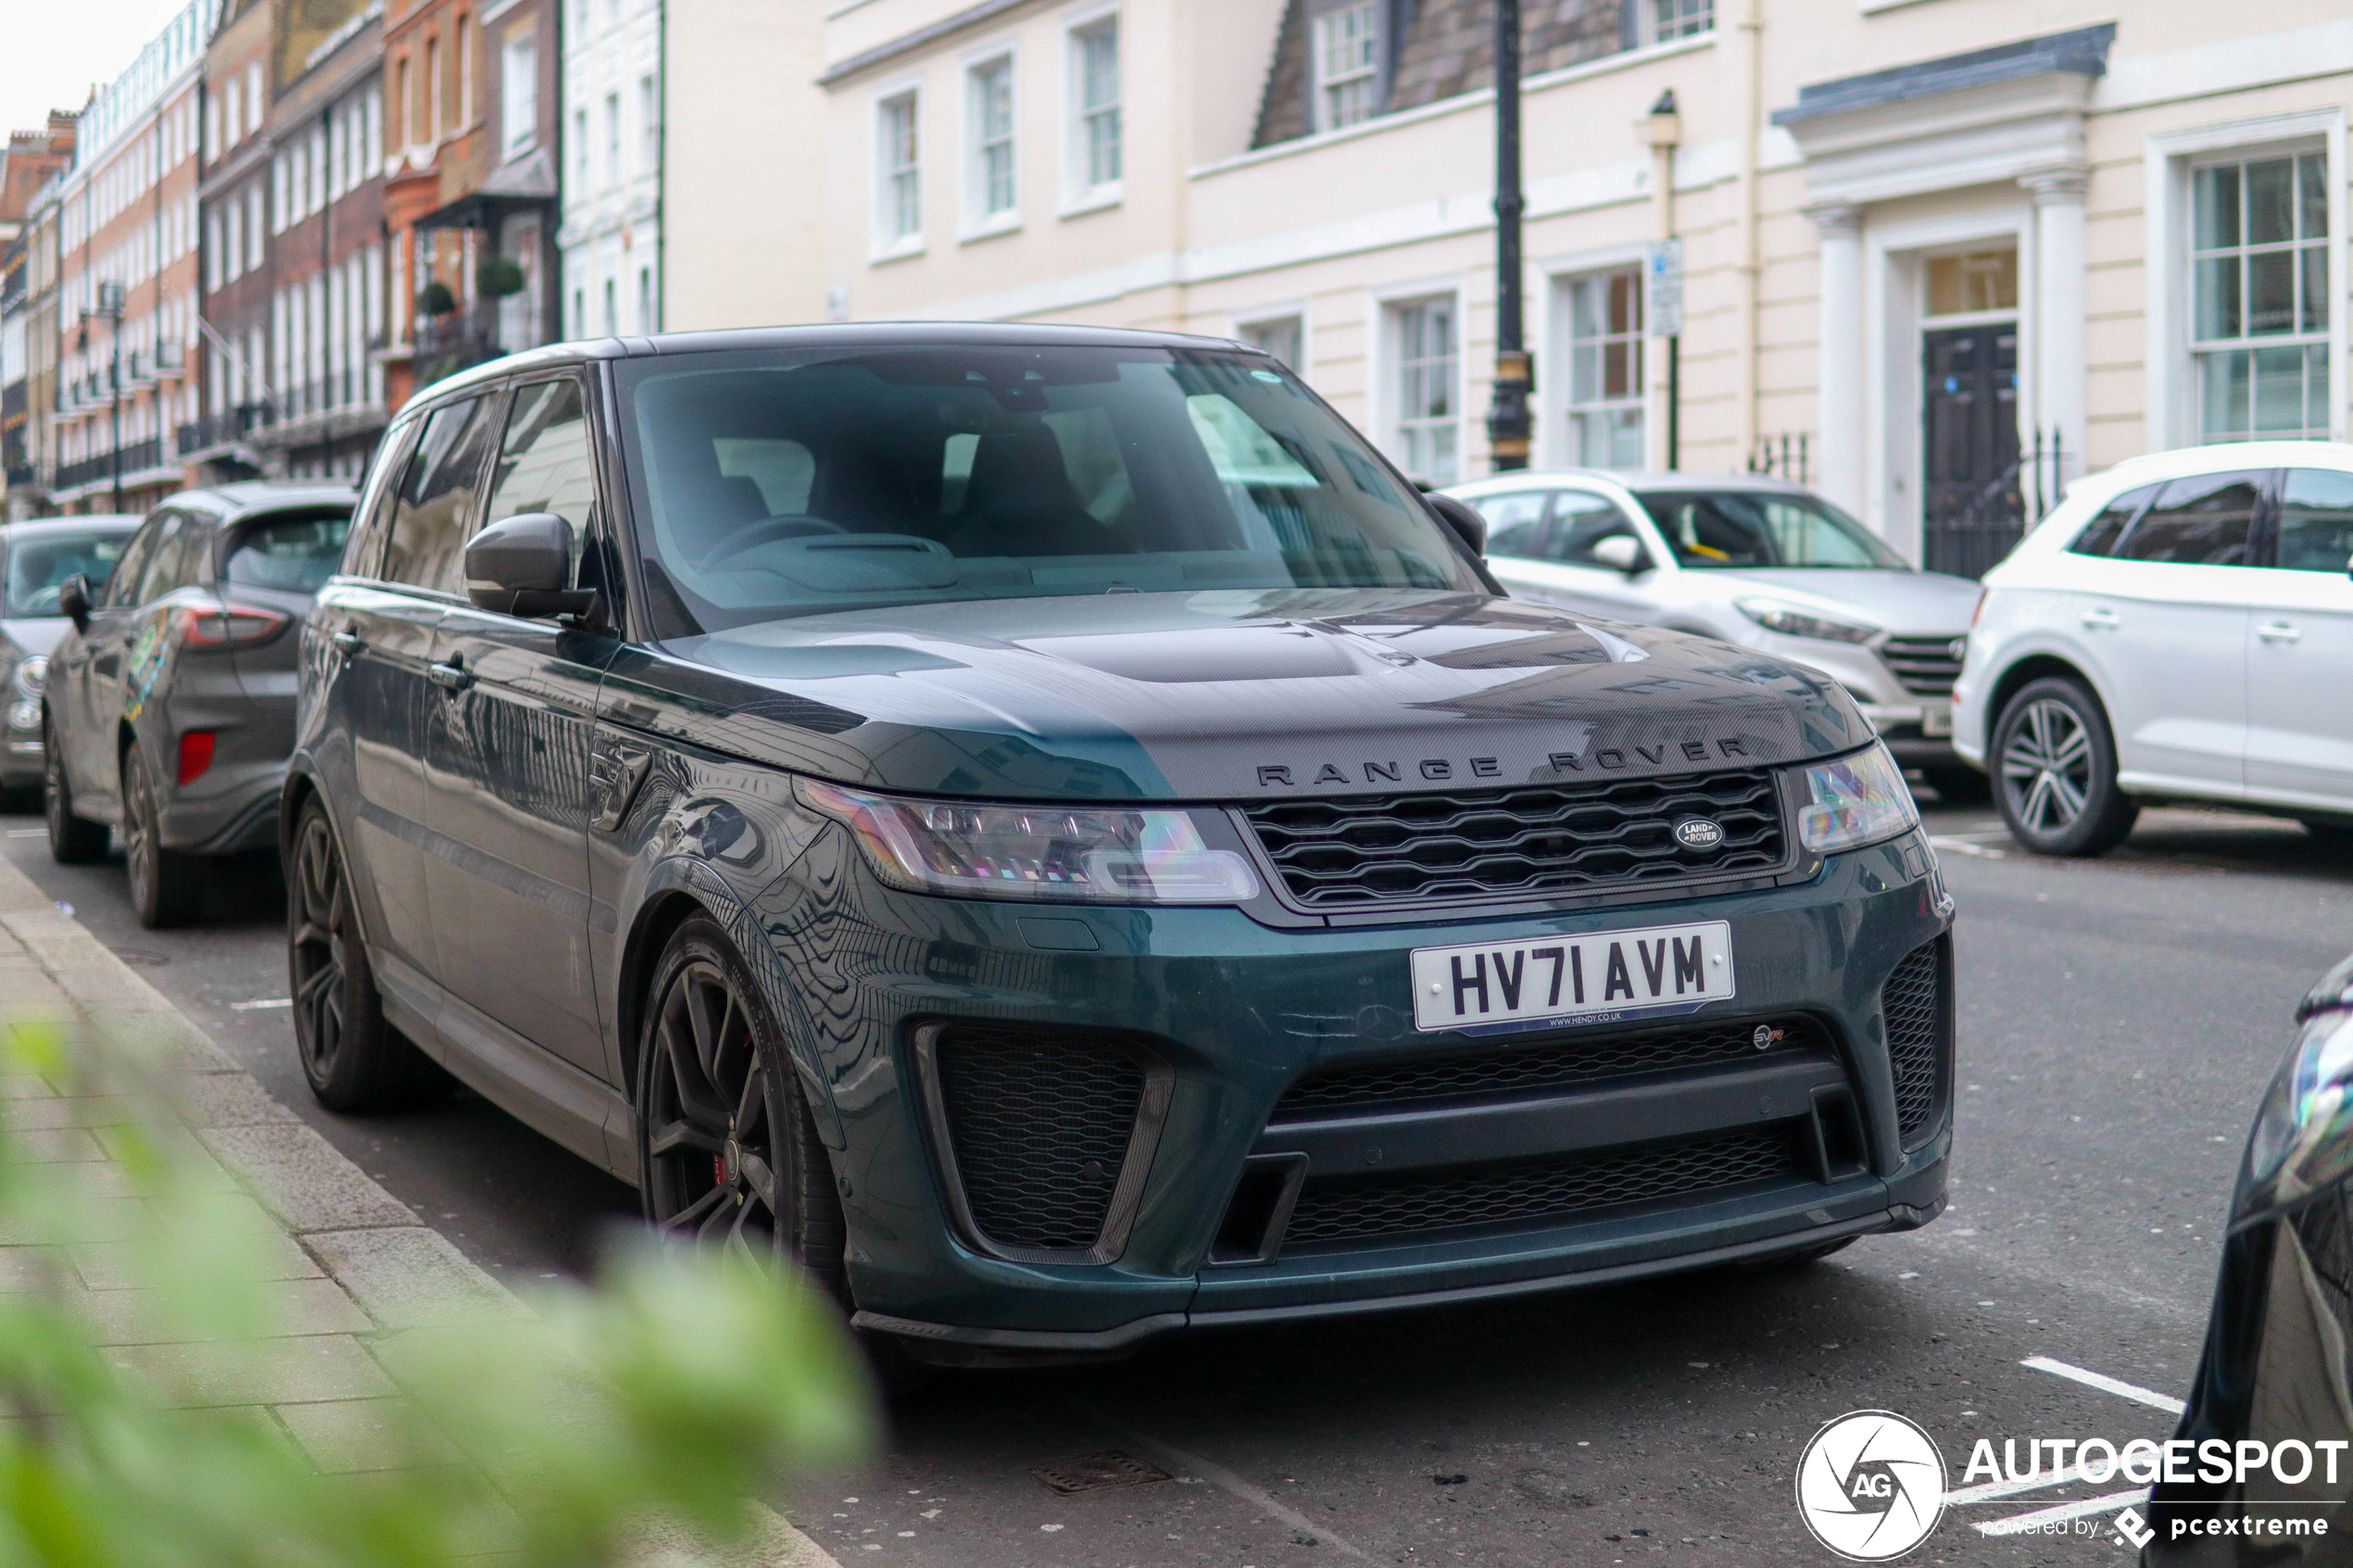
<point>347,641</point>
<point>2100,621</point>
<point>449,677</point>
<point>2279,632</point>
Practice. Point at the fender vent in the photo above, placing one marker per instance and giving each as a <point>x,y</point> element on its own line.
<point>1918,1041</point>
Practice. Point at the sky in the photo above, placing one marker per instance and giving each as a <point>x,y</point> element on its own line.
<point>52,52</point>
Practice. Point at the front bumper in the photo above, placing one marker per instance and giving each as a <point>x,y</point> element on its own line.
<point>1237,1013</point>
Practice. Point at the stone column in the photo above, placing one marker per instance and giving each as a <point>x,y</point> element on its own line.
<point>1839,387</point>
<point>2061,352</point>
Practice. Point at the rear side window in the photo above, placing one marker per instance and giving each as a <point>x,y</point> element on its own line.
<point>294,551</point>
<point>167,563</point>
<point>2207,519</point>
<point>436,502</point>
<point>2315,520</point>
<point>2099,535</point>
<point>122,588</point>
<point>1515,523</point>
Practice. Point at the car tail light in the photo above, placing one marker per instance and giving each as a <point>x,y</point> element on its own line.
<point>195,754</point>
<point>227,628</point>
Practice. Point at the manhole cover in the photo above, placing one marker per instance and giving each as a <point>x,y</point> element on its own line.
<point>1097,1473</point>
<point>140,957</point>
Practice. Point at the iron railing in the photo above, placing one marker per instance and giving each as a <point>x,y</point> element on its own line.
<point>139,455</point>
<point>1969,530</point>
<point>1786,456</point>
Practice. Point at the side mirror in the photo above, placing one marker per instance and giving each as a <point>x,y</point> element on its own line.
<point>1621,552</point>
<point>1462,519</point>
<point>74,598</point>
<point>520,566</point>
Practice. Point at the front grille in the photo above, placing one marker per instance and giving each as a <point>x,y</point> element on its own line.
<point>1040,1124</point>
<point>1927,666</point>
<point>1535,1068</point>
<point>1915,1042</point>
<point>1362,1208</point>
<point>1534,840</point>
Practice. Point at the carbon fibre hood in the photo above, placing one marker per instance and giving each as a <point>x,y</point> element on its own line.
<point>1226,695</point>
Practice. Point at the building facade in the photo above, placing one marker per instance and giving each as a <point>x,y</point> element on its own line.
<point>1947,273</point>
<point>469,183</point>
<point>32,161</point>
<point>127,216</point>
<point>239,392</point>
<point>611,236</point>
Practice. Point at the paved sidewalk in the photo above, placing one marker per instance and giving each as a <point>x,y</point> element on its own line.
<point>349,1264</point>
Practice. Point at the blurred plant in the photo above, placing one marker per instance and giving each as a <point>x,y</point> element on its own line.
<point>648,1408</point>
<point>435,299</point>
<point>498,276</point>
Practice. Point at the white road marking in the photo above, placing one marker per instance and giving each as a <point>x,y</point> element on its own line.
<point>1217,1475</point>
<point>258,1003</point>
<point>28,832</point>
<point>2106,1385</point>
<point>2017,1524</point>
<point>1988,1491</point>
<point>1963,847</point>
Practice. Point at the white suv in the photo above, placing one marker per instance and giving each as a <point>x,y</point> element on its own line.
<point>2179,628</point>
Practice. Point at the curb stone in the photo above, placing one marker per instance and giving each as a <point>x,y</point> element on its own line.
<point>363,1265</point>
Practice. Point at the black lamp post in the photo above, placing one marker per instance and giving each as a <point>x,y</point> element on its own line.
<point>1507,423</point>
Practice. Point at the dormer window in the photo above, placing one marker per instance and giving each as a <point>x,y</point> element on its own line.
<point>1347,54</point>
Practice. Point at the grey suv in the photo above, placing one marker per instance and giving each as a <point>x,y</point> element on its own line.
<point>169,709</point>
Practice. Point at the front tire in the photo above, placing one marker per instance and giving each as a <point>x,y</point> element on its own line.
<point>166,889</point>
<point>353,1060</point>
<point>726,1145</point>
<point>2055,765</point>
<point>73,841</point>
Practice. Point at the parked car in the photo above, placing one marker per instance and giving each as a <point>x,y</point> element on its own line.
<point>1751,561</point>
<point>2274,1372</point>
<point>1046,827</point>
<point>36,560</point>
<point>2181,628</point>
<point>168,707</point>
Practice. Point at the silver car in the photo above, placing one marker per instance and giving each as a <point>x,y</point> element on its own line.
<point>1754,562</point>
<point>37,559</point>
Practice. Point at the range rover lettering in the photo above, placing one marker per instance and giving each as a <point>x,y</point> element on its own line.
<point>1045,827</point>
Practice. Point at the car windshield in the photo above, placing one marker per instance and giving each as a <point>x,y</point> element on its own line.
<point>769,486</point>
<point>41,564</point>
<point>296,551</point>
<point>1752,528</point>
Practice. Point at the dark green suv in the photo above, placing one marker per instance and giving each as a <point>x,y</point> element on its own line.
<point>1047,828</point>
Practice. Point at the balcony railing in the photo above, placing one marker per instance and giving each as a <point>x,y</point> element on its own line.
<point>458,341</point>
<point>221,429</point>
<point>139,455</point>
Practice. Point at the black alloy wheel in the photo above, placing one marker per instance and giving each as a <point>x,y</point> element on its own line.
<point>2056,758</point>
<point>73,841</point>
<point>727,1147</point>
<point>353,1059</point>
<point>165,888</point>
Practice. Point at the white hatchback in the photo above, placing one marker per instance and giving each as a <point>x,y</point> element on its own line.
<point>2179,628</point>
<point>1749,561</point>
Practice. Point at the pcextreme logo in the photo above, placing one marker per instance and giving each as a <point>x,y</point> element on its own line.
<point>1870,1486</point>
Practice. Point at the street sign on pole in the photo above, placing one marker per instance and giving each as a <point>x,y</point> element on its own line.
<point>1663,289</point>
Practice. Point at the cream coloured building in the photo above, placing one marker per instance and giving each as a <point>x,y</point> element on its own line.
<point>1921,234</point>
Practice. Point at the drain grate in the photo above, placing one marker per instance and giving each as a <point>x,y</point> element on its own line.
<point>1097,1473</point>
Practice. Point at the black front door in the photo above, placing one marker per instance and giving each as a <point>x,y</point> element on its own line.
<point>1973,511</point>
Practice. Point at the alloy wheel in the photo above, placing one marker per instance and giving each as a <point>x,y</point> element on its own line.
<point>322,926</point>
<point>2047,768</point>
<point>139,826</point>
<point>712,1121</point>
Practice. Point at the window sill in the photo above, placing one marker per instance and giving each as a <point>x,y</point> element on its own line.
<point>1094,199</point>
<point>896,250</point>
<point>990,229</point>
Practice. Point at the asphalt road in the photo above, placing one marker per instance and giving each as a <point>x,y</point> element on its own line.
<point>2119,1020</point>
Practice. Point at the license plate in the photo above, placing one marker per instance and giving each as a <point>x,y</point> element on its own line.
<point>1936,721</point>
<point>1598,978</point>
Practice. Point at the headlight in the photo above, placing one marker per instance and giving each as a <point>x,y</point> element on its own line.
<point>1858,799</point>
<point>24,716</point>
<point>2301,1140</point>
<point>1090,854</point>
<point>1791,621</point>
<point>30,674</point>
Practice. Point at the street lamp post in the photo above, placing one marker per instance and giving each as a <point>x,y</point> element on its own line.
<point>1507,424</point>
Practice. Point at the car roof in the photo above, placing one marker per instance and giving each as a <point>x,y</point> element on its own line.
<point>43,527</point>
<point>2224,455</point>
<point>876,335</point>
<point>247,496</point>
<point>1638,481</point>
